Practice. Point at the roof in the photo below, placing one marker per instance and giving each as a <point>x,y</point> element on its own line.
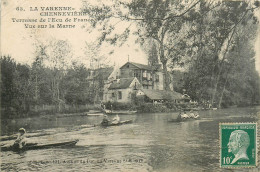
<point>105,72</point>
<point>121,83</point>
<point>161,94</point>
<point>140,66</point>
<point>101,73</point>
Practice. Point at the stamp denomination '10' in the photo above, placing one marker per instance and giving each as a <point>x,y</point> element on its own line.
<point>238,145</point>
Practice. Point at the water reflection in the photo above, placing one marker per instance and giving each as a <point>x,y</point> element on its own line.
<point>149,144</point>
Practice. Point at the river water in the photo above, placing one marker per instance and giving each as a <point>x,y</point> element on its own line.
<point>150,143</point>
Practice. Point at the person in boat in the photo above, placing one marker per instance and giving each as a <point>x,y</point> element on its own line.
<point>105,120</point>
<point>191,115</point>
<point>103,107</point>
<point>196,115</point>
<point>184,115</point>
<point>180,116</point>
<point>20,142</point>
<point>116,120</point>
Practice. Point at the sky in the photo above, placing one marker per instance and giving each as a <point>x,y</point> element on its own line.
<point>18,41</point>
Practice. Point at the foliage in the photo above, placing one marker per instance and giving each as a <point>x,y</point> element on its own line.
<point>28,90</point>
<point>119,106</point>
<point>15,87</point>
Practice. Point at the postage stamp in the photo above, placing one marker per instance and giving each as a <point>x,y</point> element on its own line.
<point>238,145</point>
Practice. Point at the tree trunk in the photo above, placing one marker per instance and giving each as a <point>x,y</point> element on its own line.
<point>222,64</point>
<point>36,92</point>
<point>163,60</point>
<point>58,96</point>
<point>166,77</point>
<point>222,93</point>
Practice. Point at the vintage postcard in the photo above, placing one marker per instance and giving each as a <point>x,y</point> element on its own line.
<point>130,85</point>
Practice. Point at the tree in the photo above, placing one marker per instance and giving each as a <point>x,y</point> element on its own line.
<point>152,53</point>
<point>23,87</point>
<point>8,91</point>
<point>37,76</point>
<point>15,88</point>
<point>55,56</point>
<point>99,70</point>
<point>214,38</point>
<point>75,85</point>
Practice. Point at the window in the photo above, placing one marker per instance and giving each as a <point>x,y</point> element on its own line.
<point>136,73</point>
<point>148,76</point>
<point>157,78</point>
<point>144,74</point>
<point>145,86</point>
<point>135,88</point>
<point>113,94</point>
<point>119,94</point>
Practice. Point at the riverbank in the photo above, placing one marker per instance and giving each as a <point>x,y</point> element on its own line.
<point>68,111</point>
<point>149,107</point>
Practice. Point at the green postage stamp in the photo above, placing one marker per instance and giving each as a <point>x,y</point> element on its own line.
<point>238,145</point>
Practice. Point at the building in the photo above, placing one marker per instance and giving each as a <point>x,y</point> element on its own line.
<point>120,90</point>
<point>142,80</point>
<point>156,96</point>
<point>150,77</point>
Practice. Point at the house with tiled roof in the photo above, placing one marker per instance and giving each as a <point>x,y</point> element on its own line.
<point>140,79</point>
<point>120,90</point>
<point>150,77</point>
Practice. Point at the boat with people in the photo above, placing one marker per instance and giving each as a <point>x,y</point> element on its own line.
<point>182,120</point>
<point>115,122</point>
<point>36,146</point>
<point>183,116</point>
<point>20,144</point>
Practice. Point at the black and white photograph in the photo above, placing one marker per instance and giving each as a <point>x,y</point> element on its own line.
<point>130,85</point>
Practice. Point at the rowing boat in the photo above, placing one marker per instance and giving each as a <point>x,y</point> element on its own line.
<point>183,120</point>
<point>35,146</point>
<point>105,124</point>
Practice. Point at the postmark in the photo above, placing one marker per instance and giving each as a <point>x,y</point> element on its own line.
<point>238,145</point>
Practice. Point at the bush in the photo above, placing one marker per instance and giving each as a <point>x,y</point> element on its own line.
<point>171,105</point>
<point>120,106</point>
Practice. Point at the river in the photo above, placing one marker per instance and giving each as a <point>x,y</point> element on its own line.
<point>150,143</point>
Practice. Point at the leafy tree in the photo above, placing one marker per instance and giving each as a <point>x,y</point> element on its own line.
<point>8,91</point>
<point>52,58</point>
<point>15,88</point>
<point>75,85</point>
<point>214,39</point>
<point>152,53</point>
